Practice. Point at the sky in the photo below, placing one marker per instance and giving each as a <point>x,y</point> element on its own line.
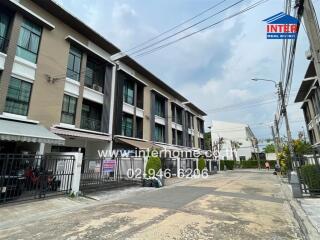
<point>213,68</point>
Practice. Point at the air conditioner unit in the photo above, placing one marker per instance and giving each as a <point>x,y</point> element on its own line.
<point>97,88</point>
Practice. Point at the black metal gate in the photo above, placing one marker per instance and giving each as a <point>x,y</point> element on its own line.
<point>27,177</point>
<point>171,164</point>
<point>104,174</point>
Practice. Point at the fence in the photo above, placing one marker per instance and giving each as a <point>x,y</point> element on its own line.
<point>27,177</point>
<point>308,170</point>
<point>97,174</point>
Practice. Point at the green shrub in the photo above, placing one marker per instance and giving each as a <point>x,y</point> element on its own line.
<point>311,177</point>
<point>201,164</point>
<point>153,163</point>
<point>228,163</point>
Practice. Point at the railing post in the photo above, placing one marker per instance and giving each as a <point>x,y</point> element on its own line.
<point>75,184</point>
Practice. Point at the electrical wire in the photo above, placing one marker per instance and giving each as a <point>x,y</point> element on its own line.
<point>175,27</point>
<point>256,4</point>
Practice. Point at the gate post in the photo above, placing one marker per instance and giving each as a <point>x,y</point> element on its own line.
<point>75,185</point>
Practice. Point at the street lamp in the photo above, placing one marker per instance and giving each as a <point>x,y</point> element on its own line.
<point>284,112</point>
<point>266,80</point>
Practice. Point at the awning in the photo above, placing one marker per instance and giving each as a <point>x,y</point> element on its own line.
<point>140,144</point>
<point>80,133</point>
<point>27,132</point>
<point>305,86</point>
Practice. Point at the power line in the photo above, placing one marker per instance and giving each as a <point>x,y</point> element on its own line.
<point>187,28</point>
<point>203,29</point>
<point>175,27</point>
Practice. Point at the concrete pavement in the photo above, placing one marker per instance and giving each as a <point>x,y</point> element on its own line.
<point>231,205</point>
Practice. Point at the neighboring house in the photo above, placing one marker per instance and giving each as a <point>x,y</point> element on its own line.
<point>309,96</point>
<point>60,92</point>
<point>237,140</point>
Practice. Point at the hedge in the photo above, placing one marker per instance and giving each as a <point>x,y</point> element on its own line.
<point>201,164</point>
<point>311,177</point>
<point>153,163</point>
<point>255,164</point>
<point>228,163</point>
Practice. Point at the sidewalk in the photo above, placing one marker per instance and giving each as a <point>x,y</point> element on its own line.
<point>311,207</point>
<point>305,210</point>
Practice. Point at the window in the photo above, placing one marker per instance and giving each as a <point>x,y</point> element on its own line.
<point>179,116</point>
<point>91,116</point>
<point>127,125</point>
<point>200,126</point>
<point>4,23</point>
<point>18,97</point>
<point>69,107</point>
<point>173,112</point>
<point>74,64</point>
<point>159,133</point>
<point>160,104</point>
<point>95,75</point>
<point>128,92</point>
<point>174,139</point>
<point>29,41</point>
<point>179,137</point>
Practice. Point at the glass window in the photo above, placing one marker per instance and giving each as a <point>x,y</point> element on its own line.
<point>179,137</point>
<point>91,116</point>
<point>159,133</point>
<point>4,23</point>
<point>179,116</point>
<point>18,97</point>
<point>128,92</point>
<point>127,125</point>
<point>74,64</point>
<point>160,107</point>
<point>174,137</point>
<point>94,75</point>
<point>29,41</point>
<point>69,107</point>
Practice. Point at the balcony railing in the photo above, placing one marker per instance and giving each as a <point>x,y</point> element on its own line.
<point>3,44</point>
<point>91,124</point>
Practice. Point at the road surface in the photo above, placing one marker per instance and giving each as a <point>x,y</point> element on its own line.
<point>232,205</point>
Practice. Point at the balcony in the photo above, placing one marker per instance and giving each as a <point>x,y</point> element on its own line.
<point>91,124</point>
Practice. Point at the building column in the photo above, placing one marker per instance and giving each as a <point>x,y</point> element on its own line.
<point>11,53</point>
<point>80,98</point>
<point>134,134</point>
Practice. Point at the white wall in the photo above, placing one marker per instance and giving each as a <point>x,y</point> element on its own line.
<point>233,132</point>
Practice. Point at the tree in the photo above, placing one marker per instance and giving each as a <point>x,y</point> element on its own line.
<point>235,145</point>
<point>207,140</point>
<point>269,148</point>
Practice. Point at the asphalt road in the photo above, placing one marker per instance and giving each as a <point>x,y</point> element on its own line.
<point>232,205</point>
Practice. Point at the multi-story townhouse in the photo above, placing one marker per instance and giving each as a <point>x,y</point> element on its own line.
<point>148,113</point>
<point>309,96</point>
<point>60,92</point>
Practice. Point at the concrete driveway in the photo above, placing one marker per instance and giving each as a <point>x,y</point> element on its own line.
<point>232,205</point>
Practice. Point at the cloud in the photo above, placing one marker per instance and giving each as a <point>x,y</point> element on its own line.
<point>213,68</point>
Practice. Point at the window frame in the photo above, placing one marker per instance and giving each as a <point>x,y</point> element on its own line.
<point>126,87</point>
<point>160,106</point>
<point>125,125</point>
<point>68,113</point>
<point>73,53</point>
<point>162,133</point>
<point>18,101</point>
<point>31,32</point>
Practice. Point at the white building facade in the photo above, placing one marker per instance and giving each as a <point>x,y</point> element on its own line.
<point>237,140</point>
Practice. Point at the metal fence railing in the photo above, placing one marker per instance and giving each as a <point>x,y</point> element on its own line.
<point>27,177</point>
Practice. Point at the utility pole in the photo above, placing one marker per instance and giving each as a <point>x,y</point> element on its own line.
<point>276,125</point>
<point>313,32</point>
<point>284,112</point>
<point>275,144</point>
